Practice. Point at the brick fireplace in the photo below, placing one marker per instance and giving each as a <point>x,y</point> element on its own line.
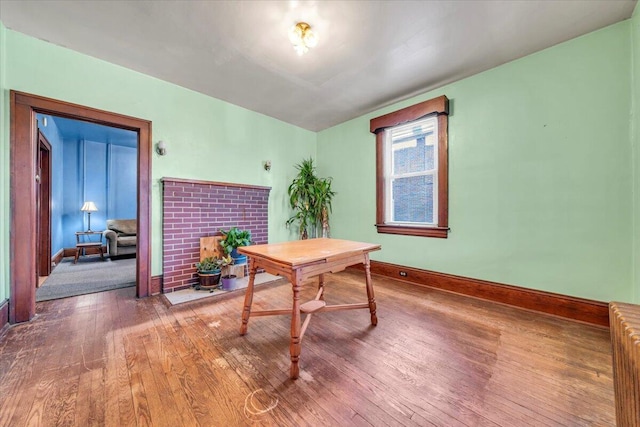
<point>193,209</point>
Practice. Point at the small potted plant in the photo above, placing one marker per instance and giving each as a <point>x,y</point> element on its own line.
<point>209,271</point>
<point>233,239</point>
<point>228,282</point>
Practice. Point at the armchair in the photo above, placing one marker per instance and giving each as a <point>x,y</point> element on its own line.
<point>121,236</point>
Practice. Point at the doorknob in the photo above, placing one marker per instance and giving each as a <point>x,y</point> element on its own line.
<point>38,178</point>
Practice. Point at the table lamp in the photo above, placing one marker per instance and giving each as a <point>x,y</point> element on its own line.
<point>89,207</point>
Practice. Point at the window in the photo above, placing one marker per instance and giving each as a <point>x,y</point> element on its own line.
<point>412,170</point>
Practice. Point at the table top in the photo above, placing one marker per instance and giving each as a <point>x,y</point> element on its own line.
<point>88,232</point>
<point>301,252</point>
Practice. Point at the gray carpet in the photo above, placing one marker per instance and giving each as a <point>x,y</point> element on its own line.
<point>89,275</point>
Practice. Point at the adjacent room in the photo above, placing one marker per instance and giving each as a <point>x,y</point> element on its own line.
<point>82,166</point>
<point>421,213</point>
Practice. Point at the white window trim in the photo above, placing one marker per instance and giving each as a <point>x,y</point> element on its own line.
<point>388,168</point>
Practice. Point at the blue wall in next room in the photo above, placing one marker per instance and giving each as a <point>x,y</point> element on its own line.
<point>90,163</point>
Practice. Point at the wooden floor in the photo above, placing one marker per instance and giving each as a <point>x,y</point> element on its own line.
<point>434,359</point>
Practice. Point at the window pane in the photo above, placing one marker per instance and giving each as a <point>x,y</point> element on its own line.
<point>413,199</point>
<point>413,147</point>
<point>418,158</point>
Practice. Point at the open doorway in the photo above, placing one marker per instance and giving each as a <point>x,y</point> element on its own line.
<point>87,207</point>
<point>24,146</point>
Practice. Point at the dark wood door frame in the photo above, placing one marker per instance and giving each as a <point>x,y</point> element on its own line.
<point>23,146</point>
<point>43,212</point>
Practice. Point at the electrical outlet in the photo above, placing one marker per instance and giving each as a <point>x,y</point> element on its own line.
<point>403,274</point>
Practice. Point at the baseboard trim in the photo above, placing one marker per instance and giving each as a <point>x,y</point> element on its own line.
<point>156,285</point>
<point>57,258</point>
<point>579,309</point>
<point>4,316</point>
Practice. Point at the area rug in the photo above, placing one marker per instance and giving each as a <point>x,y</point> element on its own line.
<point>89,275</point>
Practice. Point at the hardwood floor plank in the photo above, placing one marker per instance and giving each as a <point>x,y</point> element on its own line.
<point>435,359</point>
<point>197,404</point>
<point>127,416</point>
<point>112,411</point>
<point>226,387</point>
<point>14,388</point>
<point>161,362</point>
<point>135,355</point>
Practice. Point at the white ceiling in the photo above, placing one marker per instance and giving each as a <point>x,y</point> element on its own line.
<point>370,53</point>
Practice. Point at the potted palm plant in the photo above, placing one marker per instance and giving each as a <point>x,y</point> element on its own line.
<point>310,198</point>
<point>323,197</point>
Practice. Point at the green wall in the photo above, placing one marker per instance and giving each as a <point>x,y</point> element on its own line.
<point>635,126</point>
<point>207,139</point>
<point>4,172</point>
<point>540,177</point>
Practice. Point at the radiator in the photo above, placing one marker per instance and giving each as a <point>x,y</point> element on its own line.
<point>624,322</point>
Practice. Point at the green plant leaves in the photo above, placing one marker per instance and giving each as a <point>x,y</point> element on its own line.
<point>310,197</point>
<point>234,238</point>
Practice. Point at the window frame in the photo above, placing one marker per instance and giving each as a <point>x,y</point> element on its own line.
<point>378,126</point>
<point>390,176</point>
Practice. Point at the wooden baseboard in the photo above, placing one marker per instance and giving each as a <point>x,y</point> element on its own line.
<point>57,258</point>
<point>156,285</point>
<point>4,316</point>
<point>580,309</point>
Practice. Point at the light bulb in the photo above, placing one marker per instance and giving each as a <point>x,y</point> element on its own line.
<point>300,49</point>
<point>295,35</point>
<point>310,38</point>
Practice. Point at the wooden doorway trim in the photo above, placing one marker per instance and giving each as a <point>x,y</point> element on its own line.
<point>43,207</point>
<point>23,146</point>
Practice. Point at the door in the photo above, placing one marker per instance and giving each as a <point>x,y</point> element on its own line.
<point>43,206</point>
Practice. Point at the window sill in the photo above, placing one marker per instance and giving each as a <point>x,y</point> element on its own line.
<point>438,232</point>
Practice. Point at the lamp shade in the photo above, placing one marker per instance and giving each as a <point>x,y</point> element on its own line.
<point>89,207</point>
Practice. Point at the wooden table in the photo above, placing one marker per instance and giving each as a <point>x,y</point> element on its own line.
<point>300,260</point>
<point>82,246</point>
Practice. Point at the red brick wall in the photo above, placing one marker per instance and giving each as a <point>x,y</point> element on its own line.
<point>194,209</point>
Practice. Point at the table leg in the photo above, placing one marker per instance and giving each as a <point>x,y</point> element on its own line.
<point>321,285</point>
<point>371,297</point>
<point>248,297</point>
<point>295,346</point>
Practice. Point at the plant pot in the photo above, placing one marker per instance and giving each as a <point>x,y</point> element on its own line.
<point>228,282</point>
<point>209,279</point>
<point>238,258</point>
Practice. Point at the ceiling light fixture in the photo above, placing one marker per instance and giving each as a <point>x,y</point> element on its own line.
<point>302,37</point>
